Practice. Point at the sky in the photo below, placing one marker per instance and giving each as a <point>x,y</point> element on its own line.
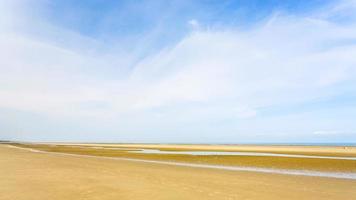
<point>209,71</point>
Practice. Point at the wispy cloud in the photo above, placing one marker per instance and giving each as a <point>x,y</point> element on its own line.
<point>331,132</point>
<point>209,74</point>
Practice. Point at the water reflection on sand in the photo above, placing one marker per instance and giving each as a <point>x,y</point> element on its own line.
<point>234,153</point>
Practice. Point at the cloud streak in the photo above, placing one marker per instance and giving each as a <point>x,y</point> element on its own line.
<point>210,74</point>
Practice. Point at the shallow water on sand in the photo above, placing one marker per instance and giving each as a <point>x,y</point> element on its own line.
<point>156,151</point>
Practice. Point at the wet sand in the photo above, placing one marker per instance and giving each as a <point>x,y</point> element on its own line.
<point>305,150</point>
<point>274,162</point>
<point>30,175</point>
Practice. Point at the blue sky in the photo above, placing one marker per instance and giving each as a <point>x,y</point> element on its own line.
<point>178,71</point>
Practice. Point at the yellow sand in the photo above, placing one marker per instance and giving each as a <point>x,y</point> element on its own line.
<point>27,175</point>
<point>305,150</point>
<point>315,164</point>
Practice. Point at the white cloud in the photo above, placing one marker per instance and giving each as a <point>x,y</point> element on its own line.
<point>329,132</point>
<point>289,59</point>
<point>194,23</point>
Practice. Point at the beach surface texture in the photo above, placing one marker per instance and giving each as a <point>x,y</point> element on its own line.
<point>103,171</point>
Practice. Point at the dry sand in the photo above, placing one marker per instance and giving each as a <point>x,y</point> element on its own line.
<point>28,175</point>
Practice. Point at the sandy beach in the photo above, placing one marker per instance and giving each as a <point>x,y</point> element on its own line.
<point>297,149</point>
<point>177,100</point>
<point>31,175</point>
<point>294,157</point>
